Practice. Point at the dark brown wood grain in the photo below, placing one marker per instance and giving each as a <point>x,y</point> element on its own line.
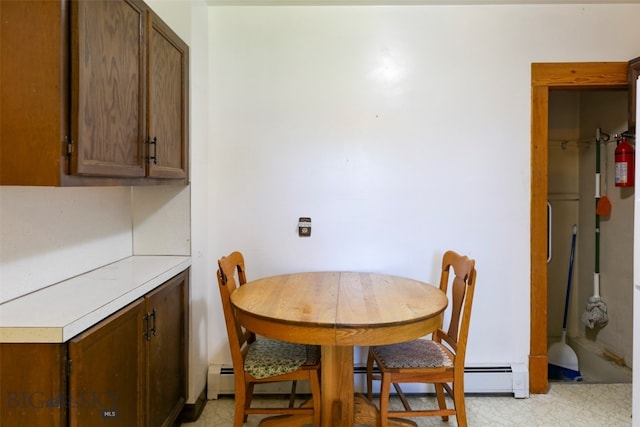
<point>33,102</point>
<point>33,385</point>
<point>107,371</point>
<point>108,92</point>
<point>167,352</point>
<point>76,89</point>
<point>168,101</point>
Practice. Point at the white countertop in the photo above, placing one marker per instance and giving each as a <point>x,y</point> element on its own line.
<point>59,312</point>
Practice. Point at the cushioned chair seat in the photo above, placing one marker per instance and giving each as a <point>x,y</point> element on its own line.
<point>413,354</point>
<point>269,358</point>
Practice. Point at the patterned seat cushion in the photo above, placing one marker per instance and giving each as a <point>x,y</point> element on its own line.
<point>268,358</point>
<point>420,353</point>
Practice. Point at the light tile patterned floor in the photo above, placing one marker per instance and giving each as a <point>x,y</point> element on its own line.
<point>566,405</point>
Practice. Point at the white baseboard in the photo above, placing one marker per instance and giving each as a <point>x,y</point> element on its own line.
<point>512,379</point>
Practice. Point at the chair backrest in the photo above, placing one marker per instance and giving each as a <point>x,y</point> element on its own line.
<point>231,274</point>
<point>462,288</point>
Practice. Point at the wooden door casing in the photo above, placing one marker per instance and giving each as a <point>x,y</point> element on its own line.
<point>546,77</point>
<point>634,73</point>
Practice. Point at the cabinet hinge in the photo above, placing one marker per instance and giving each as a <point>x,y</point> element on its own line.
<point>152,141</point>
<point>68,367</point>
<point>69,152</point>
<point>69,147</point>
<point>146,334</point>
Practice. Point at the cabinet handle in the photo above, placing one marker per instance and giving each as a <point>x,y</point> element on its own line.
<point>153,141</point>
<point>150,330</point>
<point>153,328</point>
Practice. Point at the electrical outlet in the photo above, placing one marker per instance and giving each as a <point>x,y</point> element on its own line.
<point>304,227</point>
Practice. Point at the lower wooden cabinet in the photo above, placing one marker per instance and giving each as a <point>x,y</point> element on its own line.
<point>128,370</point>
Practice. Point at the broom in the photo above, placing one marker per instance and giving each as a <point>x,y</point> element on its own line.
<point>563,362</point>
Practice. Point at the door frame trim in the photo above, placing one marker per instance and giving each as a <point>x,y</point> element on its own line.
<point>544,78</point>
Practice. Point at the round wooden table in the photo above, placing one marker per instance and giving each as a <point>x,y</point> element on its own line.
<point>340,310</point>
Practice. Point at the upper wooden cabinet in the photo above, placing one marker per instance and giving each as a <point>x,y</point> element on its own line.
<point>93,93</point>
<point>634,72</point>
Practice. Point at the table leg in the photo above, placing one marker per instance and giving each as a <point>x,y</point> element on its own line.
<point>337,386</point>
<point>366,413</point>
<point>340,406</point>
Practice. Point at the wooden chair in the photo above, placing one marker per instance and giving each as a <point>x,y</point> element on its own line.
<point>262,360</point>
<point>439,361</point>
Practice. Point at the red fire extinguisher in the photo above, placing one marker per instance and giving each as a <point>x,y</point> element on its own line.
<point>625,164</point>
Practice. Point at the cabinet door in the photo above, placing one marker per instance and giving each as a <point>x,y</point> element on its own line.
<point>108,87</point>
<point>168,102</point>
<point>33,386</point>
<point>106,371</point>
<point>167,351</point>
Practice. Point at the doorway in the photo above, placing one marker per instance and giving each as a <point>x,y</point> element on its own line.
<point>576,119</point>
<point>546,77</point>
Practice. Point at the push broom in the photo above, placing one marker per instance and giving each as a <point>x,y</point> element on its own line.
<point>563,361</point>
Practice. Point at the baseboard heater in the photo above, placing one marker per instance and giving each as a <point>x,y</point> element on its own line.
<point>509,379</point>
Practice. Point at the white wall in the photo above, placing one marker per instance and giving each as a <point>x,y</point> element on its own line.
<point>50,234</point>
<point>402,132</point>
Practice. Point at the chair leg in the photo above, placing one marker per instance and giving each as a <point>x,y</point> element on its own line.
<point>385,388</point>
<point>314,382</point>
<point>440,396</point>
<point>369,375</point>
<point>248,396</point>
<point>239,417</point>
<point>458,401</point>
<point>292,397</point>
